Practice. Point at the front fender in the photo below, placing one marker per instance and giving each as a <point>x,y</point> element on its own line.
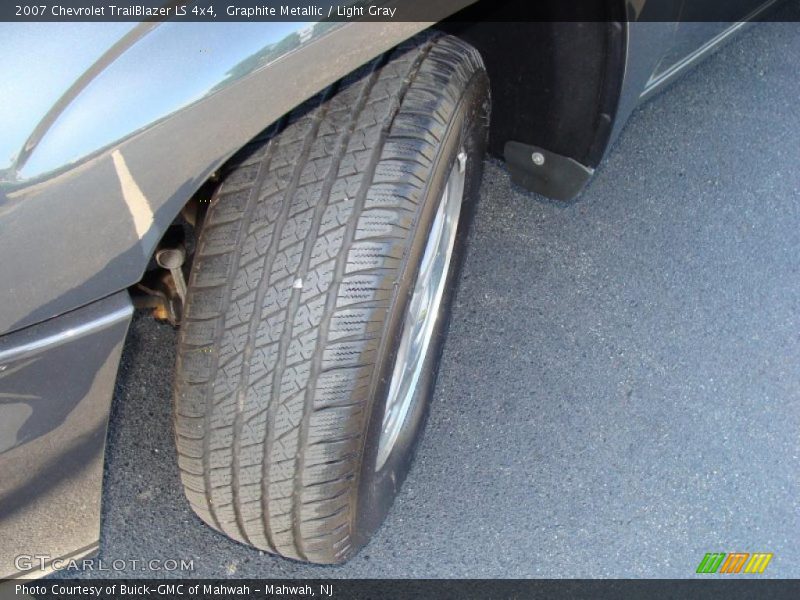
<point>107,170</point>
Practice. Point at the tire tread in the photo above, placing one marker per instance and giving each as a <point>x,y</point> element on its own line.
<point>292,282</point>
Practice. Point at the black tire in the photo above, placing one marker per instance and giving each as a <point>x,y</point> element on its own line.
<point>301,277</point>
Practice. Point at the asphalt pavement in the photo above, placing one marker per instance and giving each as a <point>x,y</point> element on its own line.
<point>620,388</point>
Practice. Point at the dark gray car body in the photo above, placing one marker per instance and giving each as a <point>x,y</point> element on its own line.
<point>108,130</point>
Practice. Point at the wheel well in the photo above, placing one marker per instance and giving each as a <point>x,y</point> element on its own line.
<point>554,84</point>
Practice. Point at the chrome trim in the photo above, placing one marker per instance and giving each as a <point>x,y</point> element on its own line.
<point>71,333</point>
<point>653,84</point>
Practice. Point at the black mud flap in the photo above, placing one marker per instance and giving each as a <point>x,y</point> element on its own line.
<point>545,172</point>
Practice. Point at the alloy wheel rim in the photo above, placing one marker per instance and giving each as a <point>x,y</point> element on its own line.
<point>422,312</point>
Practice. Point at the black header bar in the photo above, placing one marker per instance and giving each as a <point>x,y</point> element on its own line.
<point>397,10</point>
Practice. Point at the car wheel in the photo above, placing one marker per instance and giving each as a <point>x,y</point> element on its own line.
<point>317,300</point>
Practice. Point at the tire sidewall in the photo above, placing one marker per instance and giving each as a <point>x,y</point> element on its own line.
<point>376,491</point>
